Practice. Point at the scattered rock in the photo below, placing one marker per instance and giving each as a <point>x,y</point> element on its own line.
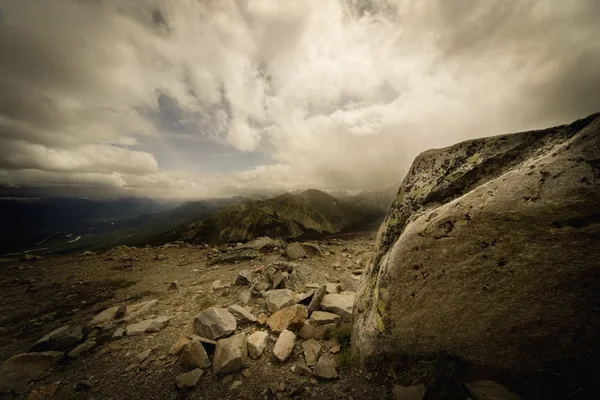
<point>257,343</point>
<point>302,276</point>
<point>290,318</point>
<point>188,380</point>
<point>305,297</point>
<point>294,251</point>
<point>326,367</point>
<point>230,354</point>
<point>19,370</point>
<point>82,348</point>
<point>240,313</point>
<point>121,310</point>
<point>217,285</point>
<point>301,368</point>
<point>340,304</point>
<point>193,355</point>
<point>235,385</point>
<point>315,303</point>
<point>312,249</point>
<point>119,332</point>
<point>259,244</point>
<point>490,390</point>
<point>262,318</point>
<point>43,392</point>
<point>323,318</point>
<point>349,282</point>
<point>59,339</point>
<point>237,255</point>
<point>278,299</point>
<point>177,347</point>
<point>160,257</point>
<point>244,277</point>
<point>107,318</point>
<point>87,253</point>
<point>144,354</point>
<point>173,285</point>
<point>309,331</point>
<point>279,279</point>
<point>284,345</point>
<point>148,325</point>
<point>215,323</point>
<point>312,351</point>
<point>245,296</point>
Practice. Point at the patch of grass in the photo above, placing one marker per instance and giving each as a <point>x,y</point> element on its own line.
<point>342,334</point>
<point>205,302</point>
<point>345,360</point>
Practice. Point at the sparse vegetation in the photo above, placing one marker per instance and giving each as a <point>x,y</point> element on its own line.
<point>341,334</point>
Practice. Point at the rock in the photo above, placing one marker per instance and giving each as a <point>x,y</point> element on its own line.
<point>121,311</point>
<point>177,347</point>
<point>119,332</point>
<point>326,367</point>
<point>244,277</point>
<point>323,318</point>
<point>284,345</point>
<point>309,331</point>
<point>333,288</point>
<point>43,392</point>
<point>215,323</point>
<point>173,285</point>
<point>340,304</point>
<point>485,254</point>
<point>188,380</point>
<point>284,266</point>
<point>87,253</point>
<point>257,343</point>
<point>144,354</point>
<point>236,255</point>
<point>193,355</point>
<point>312,249</point>
<point>262,286</point>
<point>230,354</point>
<point>301,368</point>
<point>235,385</point>
<point>82,349</point>
<point>290,318</point>
<point>160,257</point>
<point>305,297</point>
<point>303,275</point>
<point>409,392</point>
<point>489,390</point>
<point>294,251</point>
<point>241,314</point>
<point>107,318</point>
<point>259,243</point>
<point>312,351</point>
<point>19,370</point>
<point>245,296</point>
<point>159,323</point>
<point>349,282</point>
<point>279,279</point>
<point>278,299</point>
<point>148,325</point>
<point>218,285</point>
<point>59,339</point>
<point>262,318</point>
<point>315,303</point>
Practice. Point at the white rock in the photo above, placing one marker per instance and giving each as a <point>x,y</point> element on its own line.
<point>230,354</point>
<point>257,342</point>
<point>280,298</point>
<point>240,313</point>
<point>340,304</point>
<point>284,345</point>
<point>215,323</point>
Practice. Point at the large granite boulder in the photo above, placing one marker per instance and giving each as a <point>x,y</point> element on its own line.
<point>489,253</point>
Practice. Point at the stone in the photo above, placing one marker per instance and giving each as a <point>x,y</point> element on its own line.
<point>119,332</point>
<point>284,345</point>
<point>188,380</point>
<point>82,386</point>
<point>177,347</point>
<point>278,299</point>
<point>108,317</point>
<point>340,304</point>
<point>230,354</point>
<point>245,296</point>
<point>304,275</point>
<point>244,277</point>
<point>489,390</point>
<point>315,303</point>
<point>234,256</point>
<point>305,297</point>
<point>416,392</point>
<point>294,251</point>
<point>121,311</point>
<point>485,254</point>
<point>144,354</point>
<point>215,323</point>
<point>241,314</point>
<point>257,343</point>
<point>173,285</point>
<point>284,266</point>
<point>59,339</point>
<point>193,355</point>
<point>323,318</point>
<point>259,243</point>
<point>43,392</point>
<point>290,318</point>
<point>278,279</point>
<point>312,351</point>
<point>309,331</point>
<point>19,370</point>
<point>312,249</point>
<point>262,286</point>
<point>148,325</point>
<point>301,368</point>
<point>159,323</point>
<point>82,349</point>
<point>349,282</point>
<point>235,385</point>
<point>326,367</point>
<point>218,285</point>
<point>262,318</point>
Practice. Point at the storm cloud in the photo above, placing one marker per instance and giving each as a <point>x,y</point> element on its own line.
<point>198,98</point>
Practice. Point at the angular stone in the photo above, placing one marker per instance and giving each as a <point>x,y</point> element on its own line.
<point>304,275</point>
<point>312,249</point>
<point>244,277</point>
<point>294,251</point>
<point>240,313</point>
<point>305,297</point>
<point>19,370</point>
<point>279,279</point>
<point>119,332</point>
<point>108,316</point>
<point>148,325</point>
<point>188,380</point>
<point>257,343</point>
<point>312,351</point>
<point>121,311</point>
<point>177,347</point>
<point>333,288</point>
<point>326,367</point>
<point>144,354</point>
<point>193,355</point>
<point>301,368</point>
<point>173,285</point>
<point>43,392</point>
<point>59,339</point>
<point>284,266</point>
<point>278,299</point>
<point>230,354</point>
<point>490,390</point>
<point>340,304</point>
<point>416,392</point>
<point>259,243</point>
<point>215,323</point>
<point>245,296</point>
<point>309,331</point>
<point>290,318</point>
<point>159,323</point>
<point>262,318</point>
<point>323,318</point>
<point>349,282</point>
<point>315,303</point>
<point>284,345</point>
<point>82,349</point>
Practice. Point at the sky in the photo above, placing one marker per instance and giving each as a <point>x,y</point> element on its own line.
<point>204,98</point>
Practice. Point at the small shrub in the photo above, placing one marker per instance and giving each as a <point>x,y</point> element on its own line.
<point>341,334</point>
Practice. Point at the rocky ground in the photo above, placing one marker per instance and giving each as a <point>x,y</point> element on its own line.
<point>175,283</point>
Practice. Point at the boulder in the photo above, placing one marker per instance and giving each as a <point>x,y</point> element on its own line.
<point>340,304</point>
<point>284,345</point>
<point>280,298</point>
<point>309,331</point>
<point>116,314</point>
<point>312,249</point>
<point>485,255</point>
<point>177,347</point>
<point>315,302</point>
<point>323,318</point>
<point>326,367</point>
<point>148,325</point>
<point>294,251</point>
<point>416,392</point>
<point>193,355</point>
<point>489,390</point>
<point>257,343</point>
<point>215,323</point>
<point>333,288</point>
<point>188,380</point>
<point>241,314</point>
<point>312,351</point>
<point>230,354</point>
<point>303,275</point>
<point>244,277</point>
<point>19,370</point>
<point>59,339</point>
<point>349,282</point>
<point>290,318</point>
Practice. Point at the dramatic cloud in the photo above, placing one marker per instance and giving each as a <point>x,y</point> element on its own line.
<point>202,98</point>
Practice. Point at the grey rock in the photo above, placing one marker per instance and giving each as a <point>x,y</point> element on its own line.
<point>312,249</point>
<point>333,288</point>
<point>82,349</point>
<point>294,251</point>
<point>148,325</point>
<point>326,368</point>
<point>188,380</point>
<point>245,296</point>
<point>416,392</point>
<point>323,318</point>
<point>489,390</point>
<point>315,303</point>
<point>349,282</point>
<point>284,345</point>
<point>279,279</point>
<point>193,355</point>
<point>312,351</point>
<point>144,354</point>
<point>305,297</point>
<point>303,275</point>
<point>121,311</point>
<point>284,266</point>
<point>290,318</point>
<point>244,277</point>
<point>340,304</point>
<point>19,370</point>
<point>59,339</point>
<point>237,255</point>
<point>215,323</point>
<point>278,299</point>
<point>241,314</point>
<point>301,368</point>
<point>230,354</point>
<point>257,343</point>
<point>173,285</point>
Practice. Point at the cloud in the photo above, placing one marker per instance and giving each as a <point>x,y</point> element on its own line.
<point>210,98</point>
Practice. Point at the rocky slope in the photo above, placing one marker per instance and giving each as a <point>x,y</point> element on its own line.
<point>488,255</point>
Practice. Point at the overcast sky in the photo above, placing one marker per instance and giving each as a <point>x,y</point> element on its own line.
<point>200,98</point>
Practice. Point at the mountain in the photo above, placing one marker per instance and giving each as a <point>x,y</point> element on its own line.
<point>380,198</point>
<point>307,214</point>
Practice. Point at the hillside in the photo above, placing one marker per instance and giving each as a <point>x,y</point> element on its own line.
<point>310,213</point>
